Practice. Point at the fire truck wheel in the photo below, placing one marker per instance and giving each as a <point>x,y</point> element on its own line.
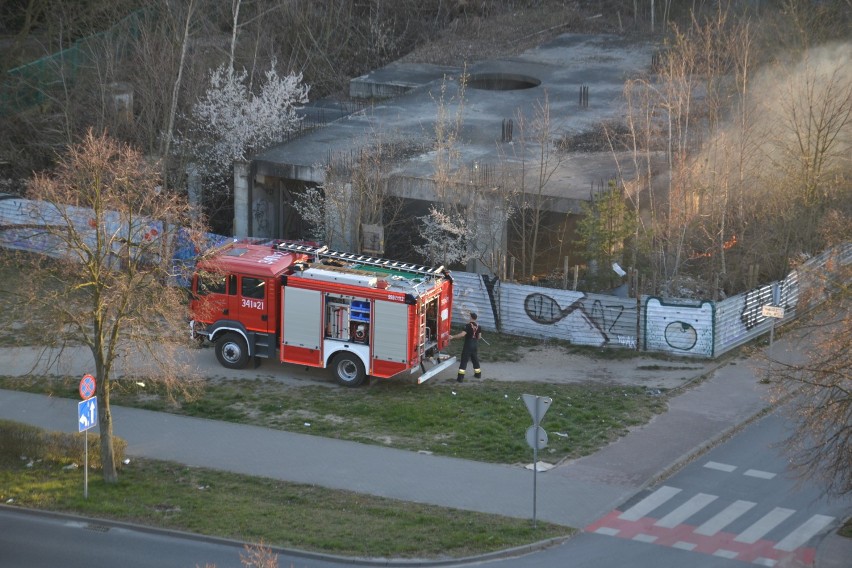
<point>232,352</point>
<point>349,370</point>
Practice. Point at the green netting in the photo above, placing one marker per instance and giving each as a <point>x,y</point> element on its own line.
<point>29,84</point>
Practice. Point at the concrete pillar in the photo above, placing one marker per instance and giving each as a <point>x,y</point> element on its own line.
<point>194,191</point>
<point>263,212</point>
<point>122,100</point>
<point>241,199</point>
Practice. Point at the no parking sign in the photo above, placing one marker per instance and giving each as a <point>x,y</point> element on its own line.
<point>87,387</point>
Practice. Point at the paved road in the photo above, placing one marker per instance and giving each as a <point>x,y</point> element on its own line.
<point>736,502</point>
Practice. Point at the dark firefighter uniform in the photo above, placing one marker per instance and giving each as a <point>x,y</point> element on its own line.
<point>470,349</point>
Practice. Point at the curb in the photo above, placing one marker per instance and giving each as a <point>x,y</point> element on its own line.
<point>833,550</point>
<point>308,555</point>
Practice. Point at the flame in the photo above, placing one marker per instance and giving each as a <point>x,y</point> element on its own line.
<point>727,245</point>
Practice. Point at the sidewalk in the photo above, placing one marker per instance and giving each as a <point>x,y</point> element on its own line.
<point>575,493</point>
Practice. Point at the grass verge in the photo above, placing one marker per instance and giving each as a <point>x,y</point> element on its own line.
<point>482,421</point>
<point>846,529</point>
<point>253,509</point>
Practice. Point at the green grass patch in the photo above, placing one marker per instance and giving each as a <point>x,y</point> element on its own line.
<point>846,529</point>
<point>478,420</point>
<point>252,509</point>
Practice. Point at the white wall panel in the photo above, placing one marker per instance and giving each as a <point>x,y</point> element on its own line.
<point>679,327</point>
<point>582,319</point>
<point>471,295</point>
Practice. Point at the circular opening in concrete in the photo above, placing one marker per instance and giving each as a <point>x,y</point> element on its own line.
<point>502,82</point>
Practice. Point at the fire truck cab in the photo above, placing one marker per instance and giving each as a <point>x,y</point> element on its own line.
<point>358,315</point>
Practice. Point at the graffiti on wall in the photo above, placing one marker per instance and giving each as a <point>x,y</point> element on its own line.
<point>781,294</point>
<point>680,329</point>
<point>568,315</point>
<point>470,294</point>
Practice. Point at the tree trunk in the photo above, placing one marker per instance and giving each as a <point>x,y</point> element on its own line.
<point>105,425</point>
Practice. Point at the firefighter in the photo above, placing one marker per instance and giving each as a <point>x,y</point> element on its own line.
<point>470,351</point>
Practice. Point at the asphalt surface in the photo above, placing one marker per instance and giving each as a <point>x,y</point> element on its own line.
<point>575,493</point>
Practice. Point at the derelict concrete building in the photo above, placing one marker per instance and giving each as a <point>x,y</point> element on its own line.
<point>581,77</point>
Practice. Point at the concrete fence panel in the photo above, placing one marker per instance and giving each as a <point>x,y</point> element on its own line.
<point>678,327</point>
<point>582,319</point>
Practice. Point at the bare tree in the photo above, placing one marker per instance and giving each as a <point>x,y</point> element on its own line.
<point>447,232</point>
<point>354,194</point>
<point>328,211</point>
<point>820,446</point>
<point>537,153</point>
<point>111,230</point>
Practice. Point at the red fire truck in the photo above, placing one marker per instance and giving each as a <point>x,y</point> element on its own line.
<point>358,315</point>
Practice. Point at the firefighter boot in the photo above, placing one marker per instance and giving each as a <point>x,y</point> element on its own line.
<point>460,376</point>
<point>477,373</point>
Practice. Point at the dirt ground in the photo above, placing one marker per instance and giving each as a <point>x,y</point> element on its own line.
<point>554,365</point>
<point>537,364</point>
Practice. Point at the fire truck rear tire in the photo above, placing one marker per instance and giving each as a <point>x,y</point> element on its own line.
<point>349,370</point>
<point>232,351</point>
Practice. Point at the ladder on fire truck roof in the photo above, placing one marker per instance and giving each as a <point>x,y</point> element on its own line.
<point>324,252</point>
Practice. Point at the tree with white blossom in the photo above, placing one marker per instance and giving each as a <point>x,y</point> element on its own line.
<point>327,210</point>
<point>231,122</point>
<point>447,236</point>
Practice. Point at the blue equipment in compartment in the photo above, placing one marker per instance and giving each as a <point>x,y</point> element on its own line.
<point>360,311</point>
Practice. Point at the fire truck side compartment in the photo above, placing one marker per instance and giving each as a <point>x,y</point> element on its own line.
<point>302,326</point>
<point>390,331</point>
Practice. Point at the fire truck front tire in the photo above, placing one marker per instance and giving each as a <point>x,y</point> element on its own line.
<point>231,350</point>
<point>349,370</point>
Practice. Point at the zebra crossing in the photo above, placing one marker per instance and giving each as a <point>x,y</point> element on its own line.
<point>735,529</point>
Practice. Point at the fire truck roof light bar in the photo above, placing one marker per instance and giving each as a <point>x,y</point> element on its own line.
<point>361,259</point>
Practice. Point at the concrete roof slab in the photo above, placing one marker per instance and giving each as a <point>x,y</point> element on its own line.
<point>561,67</point>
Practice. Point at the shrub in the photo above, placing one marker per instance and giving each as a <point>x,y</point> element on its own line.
<point>18,439</point>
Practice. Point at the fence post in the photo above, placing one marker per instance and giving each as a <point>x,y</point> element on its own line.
<point>565,273</point>
<point>576,276</point>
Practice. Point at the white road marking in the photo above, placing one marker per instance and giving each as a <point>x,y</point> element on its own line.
<point>761,561</point>
<point>726,553</point>
<point>607,531</point>
<point>649,503</point>
<point>684,545</point>
<point>768,522</point>
<point>804,533</point>
<point>731,513</point>
<point>720,466</point>
<point>679,515</point>
<point>759,474</point>
<point>641,537</point>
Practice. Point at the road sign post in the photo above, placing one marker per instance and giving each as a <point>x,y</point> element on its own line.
<point>774,313</point>
<point>536,435</point>
<point>87,417</point>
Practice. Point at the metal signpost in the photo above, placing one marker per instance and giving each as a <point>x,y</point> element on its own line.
<point>775,313</point>
<point>536,435</point>
<point>87,417</point>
